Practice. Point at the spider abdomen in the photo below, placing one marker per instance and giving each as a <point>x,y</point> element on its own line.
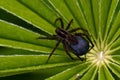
<point>81,47</point>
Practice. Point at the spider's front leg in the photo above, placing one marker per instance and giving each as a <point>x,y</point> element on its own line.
<point>53,37</point>
<point>69,24</point>
<point>61,21</point>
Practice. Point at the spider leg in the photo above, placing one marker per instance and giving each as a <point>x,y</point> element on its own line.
<point>79,34</point>
<point>76,29</point>
<point>68,26</point>
<point>85,57</point>
<point>66,50</point>
<point>61,21</point>
<point>48,37</point>
<point>57,44</point>
<point>80,57</point>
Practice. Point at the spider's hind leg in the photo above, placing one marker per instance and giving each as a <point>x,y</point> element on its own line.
<point>82,59</point>
<point>66,50</point>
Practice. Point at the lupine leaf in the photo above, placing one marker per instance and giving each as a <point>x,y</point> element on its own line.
<point>22,54</point>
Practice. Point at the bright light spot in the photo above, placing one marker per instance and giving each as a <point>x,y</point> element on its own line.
<point>100,58</point>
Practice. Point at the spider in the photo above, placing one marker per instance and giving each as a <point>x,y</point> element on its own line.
<point>77,43</point>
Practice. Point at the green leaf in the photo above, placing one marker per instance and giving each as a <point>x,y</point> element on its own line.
<point>22,54</point>
<point>93,71</point>
<point>78,14</point>
<point>63,10</point>
<point>26,14</point>
<point>28,63</point>
<point>71,72</point>
<point>42,10</point>
<point>115,68</point>
<point>104,73</point>
<point>23,39</point>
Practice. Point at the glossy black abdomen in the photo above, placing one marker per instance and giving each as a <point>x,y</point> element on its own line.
<point>81,47</point>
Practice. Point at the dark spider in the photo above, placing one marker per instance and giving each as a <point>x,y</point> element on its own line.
<point>78,43</point>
